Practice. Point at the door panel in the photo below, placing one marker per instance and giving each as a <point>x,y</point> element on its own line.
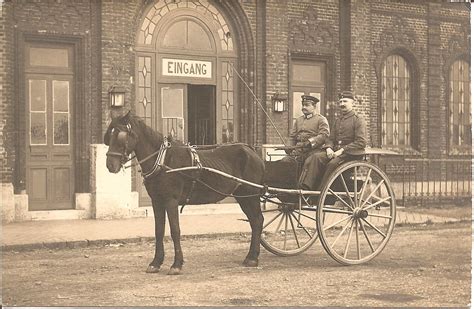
<point>62,190</point>
<point>38,184</point>
<point>49,149</point>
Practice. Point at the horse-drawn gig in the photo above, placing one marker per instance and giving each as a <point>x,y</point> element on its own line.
<point>353,214</point>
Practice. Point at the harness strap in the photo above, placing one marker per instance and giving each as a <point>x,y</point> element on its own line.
<point>195,161</point>
<point>160,159</point>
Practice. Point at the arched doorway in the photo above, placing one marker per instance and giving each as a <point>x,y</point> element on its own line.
<point>186,86</point>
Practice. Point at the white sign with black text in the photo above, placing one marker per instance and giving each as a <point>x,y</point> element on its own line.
<point>186,68</point>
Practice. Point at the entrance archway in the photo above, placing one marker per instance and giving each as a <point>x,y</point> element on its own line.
<point>186,85</point>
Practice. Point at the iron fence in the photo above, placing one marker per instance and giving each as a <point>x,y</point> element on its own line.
<point>432,181</point>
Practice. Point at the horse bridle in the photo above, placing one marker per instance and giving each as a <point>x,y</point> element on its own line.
<point>124,157</point>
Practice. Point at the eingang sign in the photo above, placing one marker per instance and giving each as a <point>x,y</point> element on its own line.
<point>186,68</point>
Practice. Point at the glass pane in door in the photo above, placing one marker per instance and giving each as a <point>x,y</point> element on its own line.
<point>172,107</point>
<point>297,104</point>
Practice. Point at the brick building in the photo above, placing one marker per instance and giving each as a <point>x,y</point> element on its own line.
<point>192,68</point>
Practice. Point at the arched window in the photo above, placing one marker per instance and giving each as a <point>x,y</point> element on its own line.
<point>187,34</point>
<point>459,108</point>
<point>396,108</point>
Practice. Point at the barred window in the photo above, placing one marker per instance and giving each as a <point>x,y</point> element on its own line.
<point>396,102</point>
<point>459,108</point>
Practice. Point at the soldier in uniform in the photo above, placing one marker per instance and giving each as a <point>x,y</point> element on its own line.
<point>309,132</point>
<point>347,134</point>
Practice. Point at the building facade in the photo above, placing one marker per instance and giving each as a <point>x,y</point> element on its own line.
<point>204,71</point>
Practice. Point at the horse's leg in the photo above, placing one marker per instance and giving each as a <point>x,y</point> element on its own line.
<point>173,218</point>
<point>159,213</point>
<point>251,208</point>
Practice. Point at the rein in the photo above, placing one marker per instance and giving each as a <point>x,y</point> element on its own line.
<point>201,147</point>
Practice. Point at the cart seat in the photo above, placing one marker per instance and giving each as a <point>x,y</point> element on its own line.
<point>282,174</point>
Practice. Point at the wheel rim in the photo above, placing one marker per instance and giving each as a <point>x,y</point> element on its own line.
<point>288,229</point>
<point>355,225</point>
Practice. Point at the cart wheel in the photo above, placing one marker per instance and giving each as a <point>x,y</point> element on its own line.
<point>356,213</point>
<point>288,229</point>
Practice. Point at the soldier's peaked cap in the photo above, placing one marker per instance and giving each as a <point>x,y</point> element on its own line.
<point>314,100</point>
<point>346,94</point>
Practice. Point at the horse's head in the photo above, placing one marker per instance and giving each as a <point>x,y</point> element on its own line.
<point>121,140</point>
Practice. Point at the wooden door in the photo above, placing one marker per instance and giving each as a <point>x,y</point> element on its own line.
<point>49,149</point>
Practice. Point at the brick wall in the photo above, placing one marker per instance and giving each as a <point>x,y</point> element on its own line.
<point>455,45</point>
<point>360,61</point>
<point>7,114</point>
<point>435,140</point>
<point>255,12</point>
<point>304,29</point>
<point>427,29</point>
<point>119,20</point>
<point>276,57</point>
<point>402,28</point>
<point>275,30</point>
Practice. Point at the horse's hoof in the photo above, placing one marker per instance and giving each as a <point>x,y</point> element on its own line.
<point>174,271</point>
<point>153,269</point>
<point>250,263</point>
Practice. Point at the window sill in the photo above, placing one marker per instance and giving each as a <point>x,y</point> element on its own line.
<point>405,151</point>
<point>460,152</point>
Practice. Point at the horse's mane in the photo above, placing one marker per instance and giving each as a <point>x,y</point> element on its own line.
<point>154,137</point>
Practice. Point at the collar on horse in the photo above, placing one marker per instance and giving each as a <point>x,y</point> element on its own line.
<point>160,158</point>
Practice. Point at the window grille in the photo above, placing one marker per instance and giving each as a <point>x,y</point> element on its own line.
<point>396,102</point>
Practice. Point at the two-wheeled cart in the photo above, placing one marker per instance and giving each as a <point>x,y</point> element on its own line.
<point>353,214</point>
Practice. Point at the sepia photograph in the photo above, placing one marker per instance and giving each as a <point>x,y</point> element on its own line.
<point>236,153</point>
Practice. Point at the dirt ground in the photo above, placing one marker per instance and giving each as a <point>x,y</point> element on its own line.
<point>421,266</point>
<point>445,210</point>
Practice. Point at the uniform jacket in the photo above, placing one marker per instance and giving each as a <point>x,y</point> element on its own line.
<point>314,129</point>
<point>348,132</point>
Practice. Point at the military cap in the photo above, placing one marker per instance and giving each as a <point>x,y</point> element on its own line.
<point>313,100</point>
<point>346,94</point>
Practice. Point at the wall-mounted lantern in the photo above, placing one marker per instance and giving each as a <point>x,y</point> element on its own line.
<point>117,96</point>
<point>279,102</point>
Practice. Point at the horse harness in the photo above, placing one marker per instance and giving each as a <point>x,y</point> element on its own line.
<point>123,156</point>
<point>160,160</point>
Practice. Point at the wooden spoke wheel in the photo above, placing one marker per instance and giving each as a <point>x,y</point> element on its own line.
<point>288,229</point>
<point>356,213</point>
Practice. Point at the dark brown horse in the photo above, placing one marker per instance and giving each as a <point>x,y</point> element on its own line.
<point>168,190</point>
